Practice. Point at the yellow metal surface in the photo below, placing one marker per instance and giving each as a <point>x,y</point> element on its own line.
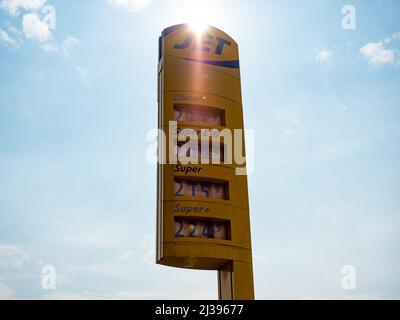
<point>203,217</point>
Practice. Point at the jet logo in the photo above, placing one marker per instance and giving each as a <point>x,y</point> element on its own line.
<point>203,43</point>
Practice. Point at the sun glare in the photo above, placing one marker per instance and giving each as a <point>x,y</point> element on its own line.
<point>199,15</point>
<point>198,27</point>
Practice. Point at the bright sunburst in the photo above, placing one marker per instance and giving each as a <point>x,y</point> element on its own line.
<point>198,27</point>
<point>199,14</point>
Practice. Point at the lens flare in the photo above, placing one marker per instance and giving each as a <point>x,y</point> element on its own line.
<point>198,27</point>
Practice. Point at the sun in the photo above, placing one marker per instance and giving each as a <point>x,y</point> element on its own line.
<point>198,26</point>
<point>199,16</point>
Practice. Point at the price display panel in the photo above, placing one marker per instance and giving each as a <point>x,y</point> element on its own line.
<point>197,113</point>
<point>194,188</point>
<point>202,154</point>
<point>201,229</point>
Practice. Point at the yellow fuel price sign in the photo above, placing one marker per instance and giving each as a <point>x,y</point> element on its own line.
<point>203,219</point>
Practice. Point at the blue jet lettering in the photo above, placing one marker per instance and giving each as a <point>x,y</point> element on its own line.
<point>204,43</point>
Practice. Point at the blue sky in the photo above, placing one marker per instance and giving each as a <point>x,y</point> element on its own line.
<point>78,97</point>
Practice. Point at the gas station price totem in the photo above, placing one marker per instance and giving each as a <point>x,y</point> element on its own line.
<point>202,209</point>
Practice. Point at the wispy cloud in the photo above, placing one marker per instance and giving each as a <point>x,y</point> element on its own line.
<point>12,29</point>
<point>38,23</point>
<point>50,47</point>
<point>7,40</point>
<point>12,257</point>
<point>66,47</point>
<point>324,56</point>
<point>130,5</point>
<point>68,44</point>
<point>377,53</point>
<point>393,36</point>
<point>13,7</point>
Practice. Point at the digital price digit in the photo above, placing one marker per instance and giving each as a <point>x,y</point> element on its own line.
<point>178,189</point>
<point>205,189</point>
<point>194,230</point>
<point>178,229</point>
<point>192,188</point>
<point>220,231</point>
<point>208,230</point>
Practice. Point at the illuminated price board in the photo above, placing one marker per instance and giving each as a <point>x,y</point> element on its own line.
<point>201,229</point>
<point>196,113</point>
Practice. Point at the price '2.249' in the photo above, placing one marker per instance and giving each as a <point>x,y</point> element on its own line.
<point>200,229</point>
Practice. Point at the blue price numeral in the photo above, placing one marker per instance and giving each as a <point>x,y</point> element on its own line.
<point>178,234</point>
<point>178,192</point>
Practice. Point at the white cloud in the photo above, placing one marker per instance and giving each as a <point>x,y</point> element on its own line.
<point>35,29</point>
<point>68,44</point>
<point>324,56</point>
<point>6,293</point>
<point>13,7</point>
<point>13,29</point>
<point>376,54</point>
<point>66,48</point>
<point>7,41</point>
<point>130,5</point>
<point>50,47</point>
<point>81,71</point>
<point>393,36</point>
<point>11,257</point>
<point>37,24</point>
